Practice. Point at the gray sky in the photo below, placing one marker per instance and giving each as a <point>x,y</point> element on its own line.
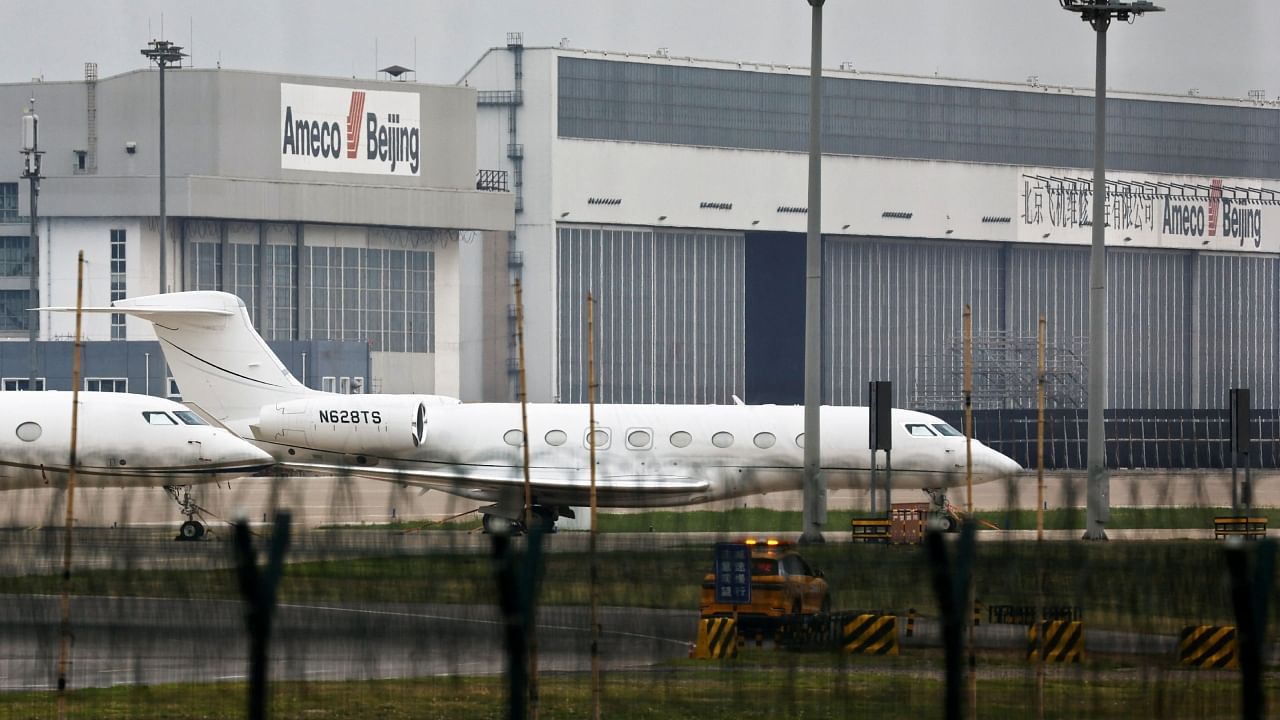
<point>1220,47</point>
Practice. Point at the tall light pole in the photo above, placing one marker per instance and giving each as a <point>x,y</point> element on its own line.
<point>1098,13</point>
<point>163,53</point>
<point>31,171</point>
<point>815,486</point>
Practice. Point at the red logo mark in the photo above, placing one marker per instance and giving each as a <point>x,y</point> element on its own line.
<point>353,122</point>
<point>1215,203</point>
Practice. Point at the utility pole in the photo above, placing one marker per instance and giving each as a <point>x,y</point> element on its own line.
<point>1098,13</point>
<point>815,486</point>
<point>31,171</point>
<point>163,53</point>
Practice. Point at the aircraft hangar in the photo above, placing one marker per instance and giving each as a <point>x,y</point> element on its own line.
<point>675,189</point>
<point>338,209</point>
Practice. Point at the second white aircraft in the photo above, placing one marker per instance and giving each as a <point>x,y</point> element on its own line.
<point>647,455</point>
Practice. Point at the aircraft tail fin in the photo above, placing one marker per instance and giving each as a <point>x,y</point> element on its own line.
<point>219,361</point>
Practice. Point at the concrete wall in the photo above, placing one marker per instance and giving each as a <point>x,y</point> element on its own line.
<point>223,134</point>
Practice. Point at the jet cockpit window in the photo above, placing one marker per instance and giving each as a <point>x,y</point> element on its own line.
<point>189,418</point>
<point>946,430</point>
<point>919,430</point>
<point>155,417</point>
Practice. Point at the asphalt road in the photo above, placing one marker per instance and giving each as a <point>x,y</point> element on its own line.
<point>146,641</point>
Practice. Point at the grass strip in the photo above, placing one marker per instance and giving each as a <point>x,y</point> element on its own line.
<point>846,687</point>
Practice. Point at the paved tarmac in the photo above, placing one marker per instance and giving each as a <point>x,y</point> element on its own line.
<point>325,501</point>
<point>146,641</point>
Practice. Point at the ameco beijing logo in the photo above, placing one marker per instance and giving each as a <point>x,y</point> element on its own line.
<point>379,131</point>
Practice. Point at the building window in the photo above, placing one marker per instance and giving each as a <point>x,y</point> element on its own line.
<point>9,202</point>
<point>280,297</point>
<point>205,264</point>
<point>15,259</point>
<point>384,297</point>
<point>17,384</point>
<point>13,310</point>
<point>327,384</point>
<point>243,267</point>
<point>119,385</point>
<point>173,393</point>
<point>117,281</point>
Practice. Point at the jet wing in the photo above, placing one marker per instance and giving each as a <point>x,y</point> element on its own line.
<point>550,489</point>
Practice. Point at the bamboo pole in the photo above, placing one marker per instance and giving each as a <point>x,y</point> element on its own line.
<point>1040,380</point>
<point>595,588</point>
<point>968,474</point>
<point>968,409</point>
<point>64,642</point>
<point>528,496</point>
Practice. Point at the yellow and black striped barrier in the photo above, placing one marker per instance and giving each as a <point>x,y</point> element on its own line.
<point>871,635</point>
<point>1208,646</point>
<point>717,639</point>
<point>1063,642</point>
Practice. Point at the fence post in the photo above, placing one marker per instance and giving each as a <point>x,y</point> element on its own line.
<point>517,591</point>
<point>259,591</point>
<point>951,582</point>
<point>1249,596</point>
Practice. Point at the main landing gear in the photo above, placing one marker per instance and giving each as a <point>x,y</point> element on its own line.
<point>192,529</point>
<point>544,518</point>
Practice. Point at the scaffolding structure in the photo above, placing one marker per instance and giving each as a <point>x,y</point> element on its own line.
<point>1004,373</point>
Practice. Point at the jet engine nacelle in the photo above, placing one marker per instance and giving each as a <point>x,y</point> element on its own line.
<point>348,424</point>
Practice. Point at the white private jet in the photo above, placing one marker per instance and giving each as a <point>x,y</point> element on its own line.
<point>123,440</point>
<point>647,455</point>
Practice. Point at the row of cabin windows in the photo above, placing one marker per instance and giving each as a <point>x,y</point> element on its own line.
<point>642,439</point>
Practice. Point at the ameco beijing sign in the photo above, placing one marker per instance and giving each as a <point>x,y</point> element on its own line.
<point>331,129</point>
<point>1182,211</point>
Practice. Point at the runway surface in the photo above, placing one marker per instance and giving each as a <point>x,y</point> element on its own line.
<point>147,641</point>
<point>322,501</point>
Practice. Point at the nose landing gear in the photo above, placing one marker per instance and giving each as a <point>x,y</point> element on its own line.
<point>191,529</point>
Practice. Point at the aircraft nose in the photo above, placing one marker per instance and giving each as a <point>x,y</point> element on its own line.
<point>235,450</point>
<point>1002,465</point>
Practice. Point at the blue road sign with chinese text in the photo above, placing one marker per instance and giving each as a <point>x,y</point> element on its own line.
<point>733,573</point>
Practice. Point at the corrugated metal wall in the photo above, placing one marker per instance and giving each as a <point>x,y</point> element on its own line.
<point>1147,296</point>
<point>669,314</point>
<point>1236,342</point>
<point>1183,328</point>
<point>890,303</point>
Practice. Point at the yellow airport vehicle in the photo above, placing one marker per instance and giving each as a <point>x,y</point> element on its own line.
<point>783,585</point>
